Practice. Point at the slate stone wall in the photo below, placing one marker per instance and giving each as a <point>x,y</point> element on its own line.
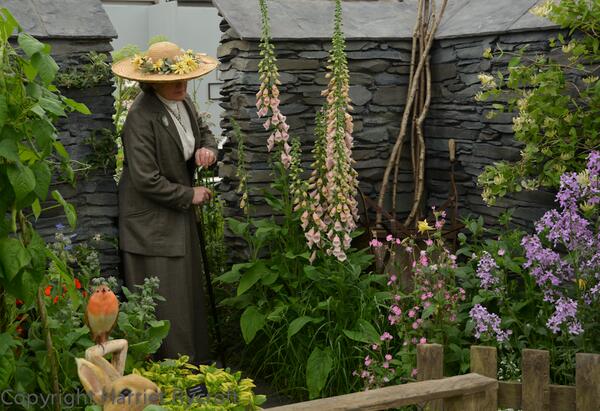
<point>95,194</point>
<point>379,80</point>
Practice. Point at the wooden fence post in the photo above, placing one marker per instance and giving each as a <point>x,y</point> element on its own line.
<point>535,365</point>
<point>484,361</point>
<point>587,382</point>
<point>430,366</point>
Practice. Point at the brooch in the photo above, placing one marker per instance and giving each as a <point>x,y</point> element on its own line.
<point>165,121</point>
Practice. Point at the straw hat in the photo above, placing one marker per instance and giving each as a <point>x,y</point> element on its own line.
<point>163,62</point>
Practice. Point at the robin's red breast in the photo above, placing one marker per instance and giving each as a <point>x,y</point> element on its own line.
<point>101,313</point>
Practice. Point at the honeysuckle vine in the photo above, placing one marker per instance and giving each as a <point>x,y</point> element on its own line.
<point>332,210</point>
<point>267,98</point>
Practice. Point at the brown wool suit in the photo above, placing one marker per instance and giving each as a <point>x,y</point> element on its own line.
<point>157,226</point>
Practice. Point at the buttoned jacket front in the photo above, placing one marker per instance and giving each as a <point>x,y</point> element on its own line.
<point>155,190</point>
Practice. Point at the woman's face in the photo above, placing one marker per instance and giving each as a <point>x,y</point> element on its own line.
<point>175,90</point>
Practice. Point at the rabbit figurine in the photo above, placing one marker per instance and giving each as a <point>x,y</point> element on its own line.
<point>106,384</point>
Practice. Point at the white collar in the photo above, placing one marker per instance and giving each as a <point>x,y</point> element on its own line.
<point>170,103</point>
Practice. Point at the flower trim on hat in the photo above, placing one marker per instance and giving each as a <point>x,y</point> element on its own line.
<point>183,64</point>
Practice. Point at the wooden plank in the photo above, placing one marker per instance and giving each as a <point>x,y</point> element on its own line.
<point>535,366</point>
<point>399,395</point>
<point>430,366</point>
<point>484,361</point>
<point>587,381</point>
<point>509,394</point>
<point>562,397</point>
<point>482,401</point>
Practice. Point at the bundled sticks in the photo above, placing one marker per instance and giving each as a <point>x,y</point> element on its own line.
<point>416,108</point>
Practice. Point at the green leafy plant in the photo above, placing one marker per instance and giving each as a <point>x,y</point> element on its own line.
<point>224,390</point>
<point>30,104</point>
<point>557,100</point>
<point>137,321</point>
<point>95,72</point>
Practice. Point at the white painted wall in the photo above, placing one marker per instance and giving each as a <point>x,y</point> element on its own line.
<point>191,27</point>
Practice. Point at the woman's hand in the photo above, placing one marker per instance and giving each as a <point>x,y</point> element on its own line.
<point>205,157</point>
<point>201,195</point>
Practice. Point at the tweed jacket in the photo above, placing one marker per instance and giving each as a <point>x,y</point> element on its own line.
<point>155,190</point>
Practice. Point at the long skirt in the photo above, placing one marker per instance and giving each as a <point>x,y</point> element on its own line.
<point>181,286</point>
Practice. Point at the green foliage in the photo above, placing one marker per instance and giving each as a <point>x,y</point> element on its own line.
<point>225,390</point>
<point>103,150</point>
<point>557,99</point>
<point>137,321</point>
<point>96,71</point>
<point>517,299</point>
<point>295,313</point>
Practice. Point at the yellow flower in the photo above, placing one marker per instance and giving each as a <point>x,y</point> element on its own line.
<point>487,53</point>
<point>190,62</point>
<point>424,226</point>
<point>158,65</point>
<point>179,68</point>
<point>581,282</point>
<point>138,60</point>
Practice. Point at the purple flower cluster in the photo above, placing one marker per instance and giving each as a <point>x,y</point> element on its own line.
<point>564,253</point>
<point>566,313</point>
<point>488,323</point>
<point>485,271</point>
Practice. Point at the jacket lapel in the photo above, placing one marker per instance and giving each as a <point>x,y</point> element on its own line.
<point>165,120</point>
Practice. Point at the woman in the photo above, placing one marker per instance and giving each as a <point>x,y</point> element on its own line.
<point>164,141</point>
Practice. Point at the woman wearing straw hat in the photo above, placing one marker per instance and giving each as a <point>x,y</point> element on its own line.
<point>164,140</point>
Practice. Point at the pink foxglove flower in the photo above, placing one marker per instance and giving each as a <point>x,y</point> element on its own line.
<point>333,182</point>
<point>267,98</point>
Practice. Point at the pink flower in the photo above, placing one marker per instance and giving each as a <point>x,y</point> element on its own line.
<point>386,365</point>
<point>411,313</point>
<point>423,340</point>
<point>389,238</point>
<point>397,297</point>
<point>388,357</point>
<point>375,346</point>
<point>386,336</point>
<point>375,243</point>
<point>365,374</point>
<point>429,242</point>
<point>415,325</point>
<point>413,373</point>
<point>501,252</point>
<point>368,361</point>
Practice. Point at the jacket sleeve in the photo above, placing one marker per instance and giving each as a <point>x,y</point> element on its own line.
<point>139,141</point>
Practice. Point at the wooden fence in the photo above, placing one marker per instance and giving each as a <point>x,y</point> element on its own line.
<point>479,390</point>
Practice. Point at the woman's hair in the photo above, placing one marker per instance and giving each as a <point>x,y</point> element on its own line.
<point>146,87</point>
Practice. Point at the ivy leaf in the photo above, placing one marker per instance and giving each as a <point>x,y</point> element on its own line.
<point>22,180</point>
<point>251,322</point>
<point>29,44</point>
<point>13,257</point>
<point>318,367</point>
